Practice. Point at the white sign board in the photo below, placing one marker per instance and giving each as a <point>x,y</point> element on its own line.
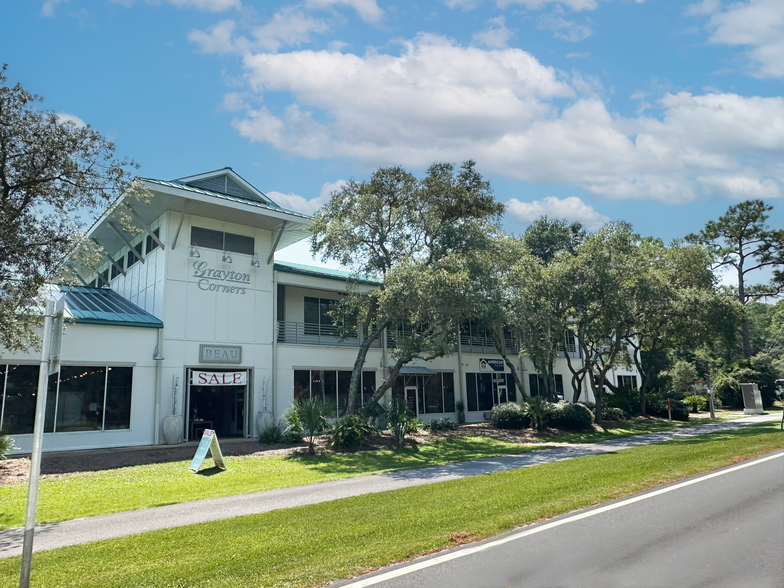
<point>201,378</point>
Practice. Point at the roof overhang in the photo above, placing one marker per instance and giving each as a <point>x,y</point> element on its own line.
<point>169,196</point>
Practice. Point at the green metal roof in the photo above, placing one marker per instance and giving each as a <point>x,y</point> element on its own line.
<point>222,196</point>
<point>102,306</point>
<point>323,272</point>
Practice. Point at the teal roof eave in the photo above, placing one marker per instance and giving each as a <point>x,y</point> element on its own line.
<point>158,325</point>
<point>103,306</point>
<point>321,272</point>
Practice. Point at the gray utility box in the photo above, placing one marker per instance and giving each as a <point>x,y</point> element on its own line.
<point>752,400</point>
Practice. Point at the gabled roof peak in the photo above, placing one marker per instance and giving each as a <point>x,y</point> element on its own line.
<point>227,181</point>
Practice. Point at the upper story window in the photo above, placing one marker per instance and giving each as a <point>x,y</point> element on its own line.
<point>152,245</point>
<point>134,255</point>
<point>222,241</point>
<point>113,268</point>
<point>629,382</point>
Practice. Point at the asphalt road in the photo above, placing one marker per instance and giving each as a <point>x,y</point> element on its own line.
<point>721,530</point>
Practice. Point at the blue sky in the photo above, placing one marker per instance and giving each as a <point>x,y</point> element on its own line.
<point>656,112</point>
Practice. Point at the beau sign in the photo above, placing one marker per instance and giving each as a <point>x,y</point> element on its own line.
<point>199,378</point>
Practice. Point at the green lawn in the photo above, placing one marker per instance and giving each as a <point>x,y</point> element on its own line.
<point>310,545</point>
<point>623,429</point>
<point>131,488</point>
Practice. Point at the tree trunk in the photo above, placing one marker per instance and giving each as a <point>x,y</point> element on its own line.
<point>744,326</point>
<point>498,341</point>
<point>578,376</point>
<point>387,383</point>
<point>365,342</point>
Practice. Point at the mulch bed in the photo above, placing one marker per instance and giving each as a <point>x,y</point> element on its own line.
<point>57,465</point>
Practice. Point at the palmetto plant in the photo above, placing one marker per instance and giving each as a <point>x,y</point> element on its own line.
<point>538,409</point>
<point>400,419</point>
<point>309,418</point>
<point>6,445</point>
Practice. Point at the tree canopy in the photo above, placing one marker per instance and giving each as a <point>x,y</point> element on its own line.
<point>52,172</point>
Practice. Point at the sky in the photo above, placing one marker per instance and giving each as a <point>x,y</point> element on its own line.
<point>656,112</point>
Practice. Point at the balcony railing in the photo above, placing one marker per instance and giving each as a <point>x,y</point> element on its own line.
<point>571,349</point>
<point>311,334</point>
<point>474,344</point>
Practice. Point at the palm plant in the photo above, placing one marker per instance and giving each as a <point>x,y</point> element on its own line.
<point>538,409</point>
<point>6,445</point>
<point>400,419</point>
<point>309,419</point>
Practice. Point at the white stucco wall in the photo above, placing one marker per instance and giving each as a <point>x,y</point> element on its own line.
<point>109,346</point>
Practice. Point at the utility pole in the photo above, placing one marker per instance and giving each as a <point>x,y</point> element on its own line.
<point>50,350</point>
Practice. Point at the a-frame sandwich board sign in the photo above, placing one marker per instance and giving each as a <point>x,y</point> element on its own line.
<point>209,442</point>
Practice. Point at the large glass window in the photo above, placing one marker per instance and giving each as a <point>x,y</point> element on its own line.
<point>629,382</point>
<point>537,385</point>
<point>435,393</point>
<point>317,319</point>
<point>21,385</point>
<point>82,398</point>
<point>484,390</point>
<point>333,385</point>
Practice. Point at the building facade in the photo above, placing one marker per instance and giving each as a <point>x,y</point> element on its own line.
<point>190,320</point>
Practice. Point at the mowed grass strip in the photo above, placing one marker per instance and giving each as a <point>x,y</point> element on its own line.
<point>310,545</point>
<point>132,488</point>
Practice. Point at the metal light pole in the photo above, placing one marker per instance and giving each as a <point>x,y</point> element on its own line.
<point>50,348</point>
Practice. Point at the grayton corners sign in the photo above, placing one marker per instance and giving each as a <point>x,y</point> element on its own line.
<point>220,353</point>
<point>215,280</point>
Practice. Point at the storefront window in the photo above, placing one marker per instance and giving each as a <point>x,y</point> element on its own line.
<point>20,392</point>
<point>335,385</point>
<point>80,400</point>
<point>483,391</point>
<point>83,398</point>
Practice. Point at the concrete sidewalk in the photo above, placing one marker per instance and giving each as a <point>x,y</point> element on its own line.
<point>98,528</point>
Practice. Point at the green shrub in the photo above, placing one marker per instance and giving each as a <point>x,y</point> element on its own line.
<point>657,406</point>
<point>509,416</point>
<point>572,416</point>
<point>626,399</point>
<point>538,409</point>
<point>308,418</point>
<point>444,424</point>
<point>758,369</point>
<point>272,434</point>
<point>696,402</point>
<point>612,413</point>
<point>373,411</point>
<point>6,446</point>
<point>349,432</point>
<point>400,419</point>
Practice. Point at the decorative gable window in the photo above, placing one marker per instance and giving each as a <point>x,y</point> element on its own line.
<point>221,241</point>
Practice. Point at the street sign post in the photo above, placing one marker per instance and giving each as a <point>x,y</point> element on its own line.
<point>47,352</point>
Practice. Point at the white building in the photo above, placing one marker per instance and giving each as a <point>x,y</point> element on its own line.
<point>192,317</point>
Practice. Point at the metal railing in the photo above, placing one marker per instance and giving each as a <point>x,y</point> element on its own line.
<point>293,333</point>
<point>571,349</point>
<point>473,344</point>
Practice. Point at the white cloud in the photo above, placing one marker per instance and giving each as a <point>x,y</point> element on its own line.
<point>568,30</point>
<point>233,102</point>
<point>47,9</point>
<point>577,55</point>
<point>438,101</point>
<point>300,204</point>
<point>203,5</point>
<point>289,26</point>
<point>368,10</point>
<point>219,39</point>
<point>757,24</point>
<point>536,4</point>
<point>495,34</point>
<point>67,117</point>
<point>571,208</point>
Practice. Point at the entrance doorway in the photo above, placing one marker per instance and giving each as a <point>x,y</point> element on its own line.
<point>499,389</point>
<point>411,399</point>
<point>217,401</point>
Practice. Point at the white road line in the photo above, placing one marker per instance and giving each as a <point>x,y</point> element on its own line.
<point>547,526</point>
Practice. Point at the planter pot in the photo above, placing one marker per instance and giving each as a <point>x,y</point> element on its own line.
<point>172,429</point>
